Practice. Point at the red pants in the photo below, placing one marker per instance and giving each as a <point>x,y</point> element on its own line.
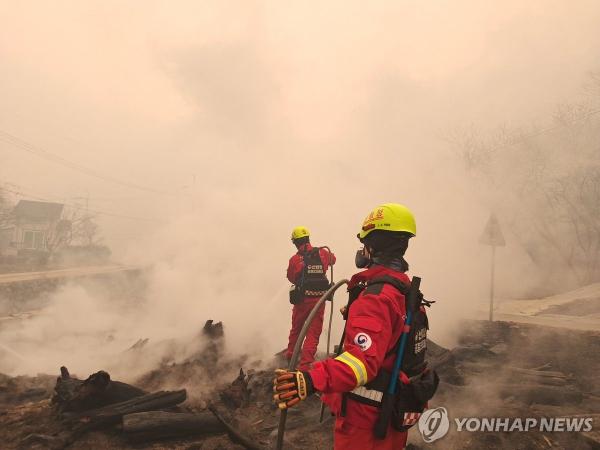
<point>299,314</point>
<point>349,437</point>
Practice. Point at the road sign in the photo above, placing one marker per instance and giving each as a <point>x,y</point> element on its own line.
<point>492,234</point>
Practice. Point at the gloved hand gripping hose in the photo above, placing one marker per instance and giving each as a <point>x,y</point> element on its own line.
<point>298,346</point>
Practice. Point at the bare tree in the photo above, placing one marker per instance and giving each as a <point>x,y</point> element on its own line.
<point>59,236</point>
<point>77,227</point>
<point>87,232</point>
<point>578,196</point>
<point>5,209</point>
<point>546,184</point>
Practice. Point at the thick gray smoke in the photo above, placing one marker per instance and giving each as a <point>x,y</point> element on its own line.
<point>253,117</point>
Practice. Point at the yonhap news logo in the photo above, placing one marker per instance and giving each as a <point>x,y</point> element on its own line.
<point>435,423</point>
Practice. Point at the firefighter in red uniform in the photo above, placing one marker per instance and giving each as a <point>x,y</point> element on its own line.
<point>307,271</point>
<point>353,383</point>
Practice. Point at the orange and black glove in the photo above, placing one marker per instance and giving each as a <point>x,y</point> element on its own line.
<point>291,387</point>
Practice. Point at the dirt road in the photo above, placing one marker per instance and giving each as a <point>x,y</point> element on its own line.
<point>10,278</point>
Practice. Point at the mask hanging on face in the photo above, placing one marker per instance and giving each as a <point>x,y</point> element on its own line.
<point>362,258</point>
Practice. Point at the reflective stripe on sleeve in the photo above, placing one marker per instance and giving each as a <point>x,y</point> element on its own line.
<point>357,366</point>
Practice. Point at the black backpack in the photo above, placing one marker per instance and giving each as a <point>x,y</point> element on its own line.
<point>313,281</point>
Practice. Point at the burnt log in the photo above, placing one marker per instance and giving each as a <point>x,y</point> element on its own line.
<point>156,425</point>
<point>96,391</point>
<point>81,423</point>
<point>99,390</point>
<point>113,413</point>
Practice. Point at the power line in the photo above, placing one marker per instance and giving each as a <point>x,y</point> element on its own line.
<point>95,211</point>
<point>48,156</point>
<point>524,138</point>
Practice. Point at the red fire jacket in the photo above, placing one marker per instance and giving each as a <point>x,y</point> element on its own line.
<point>296,263</point>
<point>374,325</point>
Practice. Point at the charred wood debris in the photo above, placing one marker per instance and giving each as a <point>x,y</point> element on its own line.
<point>514,369</point>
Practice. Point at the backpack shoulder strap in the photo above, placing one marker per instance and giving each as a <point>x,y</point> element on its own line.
<point>386,279</point>
<point>310,252</point>
<point>402,288</point>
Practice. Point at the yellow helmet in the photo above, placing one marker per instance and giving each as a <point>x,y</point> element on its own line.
<point>300,232</point>
<point>389,217</point>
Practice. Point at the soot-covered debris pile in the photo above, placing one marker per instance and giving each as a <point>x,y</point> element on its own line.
<point>510,370</point>
<point>99,412</point>
<point>498,369</point>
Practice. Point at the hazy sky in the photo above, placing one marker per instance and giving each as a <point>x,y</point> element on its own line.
<point>254,117</point>
<point>156,93</point>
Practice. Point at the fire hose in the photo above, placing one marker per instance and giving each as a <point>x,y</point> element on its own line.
<point>295,355</point>
<point>330,309</point>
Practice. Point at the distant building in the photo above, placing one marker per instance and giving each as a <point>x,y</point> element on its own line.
<point>34,227</point>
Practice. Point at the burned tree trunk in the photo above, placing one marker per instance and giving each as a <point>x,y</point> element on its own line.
<point>213,330</point>
<point>96,391</point>
<point>66,389</point>
<point>154,425</point>
<point>112,413</point>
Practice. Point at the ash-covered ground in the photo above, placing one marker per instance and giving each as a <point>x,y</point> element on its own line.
<point>500,369</point>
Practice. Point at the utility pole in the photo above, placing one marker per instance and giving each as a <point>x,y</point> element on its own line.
<point>492,283</point>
